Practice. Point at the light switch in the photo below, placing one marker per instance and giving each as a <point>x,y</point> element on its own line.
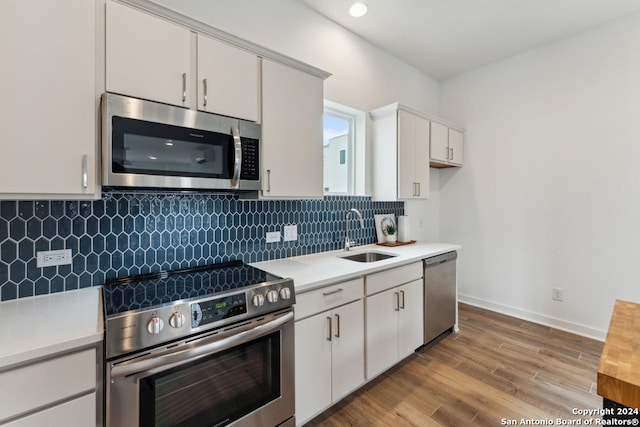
<point>290,232</point>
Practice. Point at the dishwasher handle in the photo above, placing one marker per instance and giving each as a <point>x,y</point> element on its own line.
<point>439,259</point>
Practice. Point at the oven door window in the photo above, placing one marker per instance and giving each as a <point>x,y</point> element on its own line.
<point>216,390</point>
<point>150,148</point>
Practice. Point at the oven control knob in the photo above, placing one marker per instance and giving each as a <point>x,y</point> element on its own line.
<point>155,325</point>
<point>257,300</point>
<point>272,296</point>
<point>176,320</point>
<point>285,293</point>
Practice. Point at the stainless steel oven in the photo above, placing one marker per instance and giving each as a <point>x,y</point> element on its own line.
<point>232,362</point>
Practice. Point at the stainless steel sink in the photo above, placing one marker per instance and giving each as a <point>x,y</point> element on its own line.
<point>367,256</point>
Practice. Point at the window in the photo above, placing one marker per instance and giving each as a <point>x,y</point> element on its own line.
<point>342,135</point>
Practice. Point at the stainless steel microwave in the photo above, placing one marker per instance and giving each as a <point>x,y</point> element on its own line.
<point>151,145</point>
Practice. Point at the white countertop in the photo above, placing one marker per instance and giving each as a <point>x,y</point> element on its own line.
<point>317,270</point>
<point>35,327</point>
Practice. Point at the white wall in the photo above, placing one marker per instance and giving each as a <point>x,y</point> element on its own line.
<point>549,195</point>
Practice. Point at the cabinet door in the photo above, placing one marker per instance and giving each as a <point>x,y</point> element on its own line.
<point>421,158</point>
<point>292,108</point>
<point>456,147</point>
<point>227,79</point>
<point>382,331</point>
<point>439,142</point>
<point>411,318</point>
<point>406,155</point>
<point>147,57</point>
<point>347,349</point>
<point>49,109</point>
<point>313,366</point>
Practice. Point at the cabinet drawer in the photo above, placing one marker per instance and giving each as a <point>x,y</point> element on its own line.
<point>80,412</point>
<point>30,387</point>
<point>317,301</point>
<point>390,278</point>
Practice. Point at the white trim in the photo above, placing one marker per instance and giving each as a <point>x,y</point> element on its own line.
<point>574,328</point>
<point>393,108</point>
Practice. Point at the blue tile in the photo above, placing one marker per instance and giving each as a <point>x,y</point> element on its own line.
<point>8,291</point>
<point>42,211</point>
<point>8,209</point>
<point>130,233</point>
<point>57,209</point>
<point>4,229</point>
<point>17,229</point>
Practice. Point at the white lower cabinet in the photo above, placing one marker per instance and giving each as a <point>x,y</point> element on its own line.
<point>60,391</point>
<point>394,316</point>
<point>329,346</point>
<point>79,412</point>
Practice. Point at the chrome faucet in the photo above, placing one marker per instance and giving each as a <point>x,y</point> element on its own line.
<point>348,242</point>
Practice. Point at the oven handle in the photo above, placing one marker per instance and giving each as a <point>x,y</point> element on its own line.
<point>177,358</point>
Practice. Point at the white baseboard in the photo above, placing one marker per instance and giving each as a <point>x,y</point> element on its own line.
<point>542,319</point>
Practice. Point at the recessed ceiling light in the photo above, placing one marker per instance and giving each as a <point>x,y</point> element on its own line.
<point>358,9</point>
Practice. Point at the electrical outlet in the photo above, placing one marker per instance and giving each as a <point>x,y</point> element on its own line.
<point>290,233</point>
<point>557,294</point>
<point>273,236</point>
<point>53,258</point>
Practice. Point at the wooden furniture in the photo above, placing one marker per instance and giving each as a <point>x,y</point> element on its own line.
<point>619,369</point>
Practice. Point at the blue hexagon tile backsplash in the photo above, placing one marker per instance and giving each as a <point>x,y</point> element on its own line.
<point>133,233</point>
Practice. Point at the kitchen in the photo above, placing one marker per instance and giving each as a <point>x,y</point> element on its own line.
<point>522,233</point>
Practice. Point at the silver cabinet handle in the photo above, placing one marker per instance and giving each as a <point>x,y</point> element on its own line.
<point>418,186</point>
<point>85,172</point>
<point>402,298</point>
<point>204,84</point>
<point>237,163</point>
<point>268,180</point>
<point>335,291</point>
<point>184,87</point>
<point>329,329</point>
<point>397,301</point>
<point>337,326</point>
<point>451,154</point>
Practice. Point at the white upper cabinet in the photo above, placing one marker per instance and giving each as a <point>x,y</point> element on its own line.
<point>147,57</point>
<point>228,79</point>
<point>413,150</point>
<point>50,80</point>
<point>447,148</point>
<point>400,154</point>
<point>292,108</point>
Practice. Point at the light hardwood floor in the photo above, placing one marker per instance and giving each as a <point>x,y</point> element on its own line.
<point>496,370</point>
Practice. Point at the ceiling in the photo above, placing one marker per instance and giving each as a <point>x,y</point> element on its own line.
<point>443,38</point>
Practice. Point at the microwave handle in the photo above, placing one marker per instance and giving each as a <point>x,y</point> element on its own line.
<point>237,163</point>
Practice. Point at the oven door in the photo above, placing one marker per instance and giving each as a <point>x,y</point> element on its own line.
<point>241,376</point>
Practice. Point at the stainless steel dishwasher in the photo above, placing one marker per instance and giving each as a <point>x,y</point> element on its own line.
<point>439,295</point>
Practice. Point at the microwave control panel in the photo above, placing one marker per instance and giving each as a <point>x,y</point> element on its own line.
<point>250,160</point>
